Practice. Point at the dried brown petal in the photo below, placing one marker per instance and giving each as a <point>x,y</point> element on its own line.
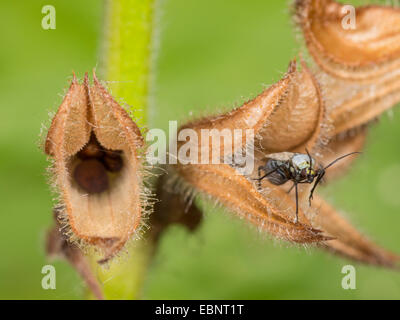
<point>103,206</point>
<point>369,51</point>
<point>349,242</point>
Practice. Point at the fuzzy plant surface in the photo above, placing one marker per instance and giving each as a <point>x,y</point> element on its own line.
<point>325,107</point>
<point>325,101</point>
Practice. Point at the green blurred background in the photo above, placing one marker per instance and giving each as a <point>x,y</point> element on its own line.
<point>213,55</point>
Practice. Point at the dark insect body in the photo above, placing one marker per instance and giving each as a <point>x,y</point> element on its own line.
<point>296,167</point>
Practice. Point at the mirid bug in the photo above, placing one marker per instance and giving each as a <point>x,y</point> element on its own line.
<point>296,167</point>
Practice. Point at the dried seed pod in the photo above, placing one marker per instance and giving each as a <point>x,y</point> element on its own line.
<point>352,106</point>
<point>348,241</point>
<point>293,105</point>
<point>298,120</point>
<point>368,51</point>
<point>269,213</point>
<point>288,115</point>
<point>359,67</point>
<point>99,209</point>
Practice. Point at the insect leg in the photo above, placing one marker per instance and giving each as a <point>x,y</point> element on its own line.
<point>319,178</point>
<point>265,175</point>
<point>298,182</point>
<point>291,188</point>
<point>297,204</point>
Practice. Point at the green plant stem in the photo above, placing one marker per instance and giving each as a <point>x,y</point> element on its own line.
<point>126,52</point>
<point>123,278</point>
<point>125,64</point>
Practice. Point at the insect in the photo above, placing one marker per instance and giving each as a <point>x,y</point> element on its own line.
<point>296,167</point>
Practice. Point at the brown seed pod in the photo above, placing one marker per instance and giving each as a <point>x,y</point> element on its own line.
<point>271,214</point>
<point>368,51</point>
<point>352,106</point>
<point>298,119</point>
<point>99,210</point>
<point>348,241</point>
<point>358,68</point>
<point>287,115</point>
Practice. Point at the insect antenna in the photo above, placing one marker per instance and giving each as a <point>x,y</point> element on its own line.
<point>309,156</point>
<point>322,173</point>
<point>340,158</point>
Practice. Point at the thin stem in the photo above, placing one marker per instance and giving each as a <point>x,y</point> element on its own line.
<point>123,278</point>
<point>125,64</point>
<point>126,52</point>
